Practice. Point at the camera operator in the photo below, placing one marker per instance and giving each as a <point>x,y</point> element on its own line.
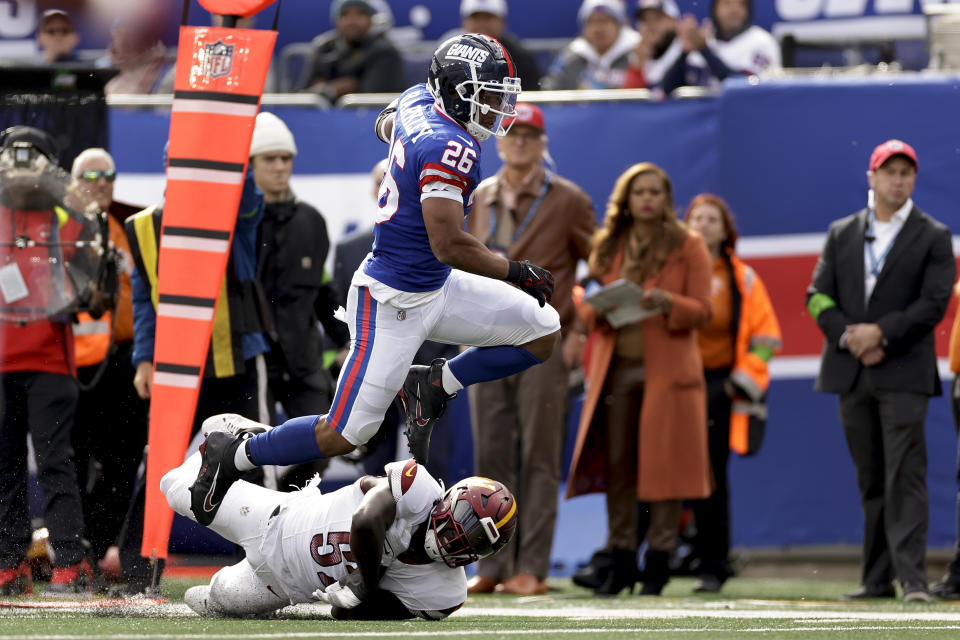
<point>51,252</point>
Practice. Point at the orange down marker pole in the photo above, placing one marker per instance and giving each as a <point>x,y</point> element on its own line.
<point>219,81</point>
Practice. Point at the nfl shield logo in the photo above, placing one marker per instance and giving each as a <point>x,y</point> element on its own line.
<point>217,59</point>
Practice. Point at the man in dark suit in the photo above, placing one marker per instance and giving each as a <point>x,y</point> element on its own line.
<point>881,285</point>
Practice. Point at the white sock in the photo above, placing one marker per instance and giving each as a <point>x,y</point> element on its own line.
<point>450,382</point>
<point>241,460</point>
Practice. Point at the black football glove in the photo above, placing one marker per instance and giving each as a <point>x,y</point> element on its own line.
<point>534,280</point>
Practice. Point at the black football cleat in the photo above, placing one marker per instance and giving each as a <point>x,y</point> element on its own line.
<point>423,399</point>
<point>217,473</point>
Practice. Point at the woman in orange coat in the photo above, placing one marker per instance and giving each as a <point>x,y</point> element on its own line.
<point>736,346</point>
<point>643,429</point>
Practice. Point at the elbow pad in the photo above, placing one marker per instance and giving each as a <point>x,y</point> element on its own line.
<point>387,112</point>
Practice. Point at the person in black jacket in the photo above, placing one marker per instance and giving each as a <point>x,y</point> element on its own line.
<point>880,287</point>
<point>489,17</point>
<point>293,248</point>
<point>355,57</point>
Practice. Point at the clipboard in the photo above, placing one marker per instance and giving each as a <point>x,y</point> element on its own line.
<point>619,303</point>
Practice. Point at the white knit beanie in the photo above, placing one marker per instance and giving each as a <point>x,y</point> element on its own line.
<point>271,134</point>
<point>615,8</point>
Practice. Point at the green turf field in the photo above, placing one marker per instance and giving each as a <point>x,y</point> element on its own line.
<point>747,608</point>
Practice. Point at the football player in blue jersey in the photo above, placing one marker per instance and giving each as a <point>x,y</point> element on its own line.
<point>425,278</point>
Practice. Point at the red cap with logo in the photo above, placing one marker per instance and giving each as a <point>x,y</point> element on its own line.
<point>889,149</point>
<point>529,115</point>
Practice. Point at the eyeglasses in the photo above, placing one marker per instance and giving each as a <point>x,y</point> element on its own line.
<point>92,176</point>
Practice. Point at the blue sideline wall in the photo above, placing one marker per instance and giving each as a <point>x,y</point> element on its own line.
<point>790,156</point>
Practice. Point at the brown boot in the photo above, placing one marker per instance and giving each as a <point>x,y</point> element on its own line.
<point>481,584</point>
<point>523,584</point>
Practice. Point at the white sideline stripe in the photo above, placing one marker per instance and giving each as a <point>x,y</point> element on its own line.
<point>191,243</point>
<point>793,244</point>
<point>183,380</point>
<point>798,367</point>
<point>729,610</point>
<point>216,107</point>
<point>184,311</point>
<point>204,175</point>
<point>722,610</point>
<point>474,632</point>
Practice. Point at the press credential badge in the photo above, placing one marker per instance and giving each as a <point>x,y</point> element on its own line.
<point>12,285</point>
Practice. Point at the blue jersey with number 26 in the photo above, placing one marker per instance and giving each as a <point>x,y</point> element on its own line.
<point>430,156</point>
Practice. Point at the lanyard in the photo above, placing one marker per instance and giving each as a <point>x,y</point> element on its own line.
<point>530,213</point>
<point>876,264</point>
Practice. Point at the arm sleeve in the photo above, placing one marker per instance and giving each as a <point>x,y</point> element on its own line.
<point>822,293</point>
<point>691,308</point>
<point>582,226</point>
<point>718,67</point>
<point>654,70</point>
<point>764,336</point>
<point>389,110</point>
<point>144,320</point>
<point>675,76</point>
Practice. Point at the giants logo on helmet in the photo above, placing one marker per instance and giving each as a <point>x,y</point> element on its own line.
<point>467,53</point>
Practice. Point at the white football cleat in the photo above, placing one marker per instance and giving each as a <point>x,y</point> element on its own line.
<point>198,599</point>
<point>232,423</point>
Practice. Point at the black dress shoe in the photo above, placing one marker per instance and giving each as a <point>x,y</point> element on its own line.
<point>947,589</point>
<point>871,591</point>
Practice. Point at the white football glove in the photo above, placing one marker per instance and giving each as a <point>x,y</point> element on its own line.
<point>346,593</point>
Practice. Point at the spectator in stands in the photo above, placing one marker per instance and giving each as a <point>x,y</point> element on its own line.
<point>354,57</point>
<point>141,56</point>
<point>290,266</point>
<point>57,38</point>
<point>735,48</point>
<point>528,212</point>
<point>598,58</point>
<point>882,283</point>
<point>949,586</point>
<point>489,17</point>
<point>643,429</point>
<point>38,390</point>
<point>110,429</point>
<point>735,345</point>
<point>658,48</point>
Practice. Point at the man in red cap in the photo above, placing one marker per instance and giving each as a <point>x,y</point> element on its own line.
<point>881,285</point>
<point>528,212</point>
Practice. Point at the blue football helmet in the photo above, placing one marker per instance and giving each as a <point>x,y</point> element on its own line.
<point>473,79</point>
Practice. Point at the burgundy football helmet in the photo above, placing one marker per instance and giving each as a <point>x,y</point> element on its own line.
<point>475,518</point>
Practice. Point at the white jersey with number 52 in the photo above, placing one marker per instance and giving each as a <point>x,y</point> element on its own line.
<point>307,545</point>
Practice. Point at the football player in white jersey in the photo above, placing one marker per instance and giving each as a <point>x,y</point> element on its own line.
<point>425,278</point>
<point>381,548</point>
